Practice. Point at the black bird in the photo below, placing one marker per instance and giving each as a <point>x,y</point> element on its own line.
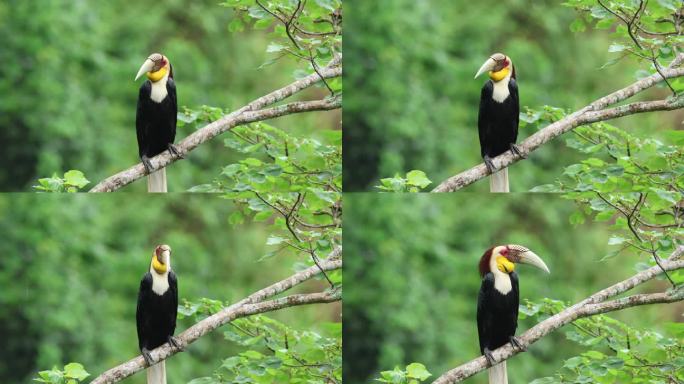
<point>499,115</point>
<point>155,120</point>
<point>157,310</point>
<point>497,303</point>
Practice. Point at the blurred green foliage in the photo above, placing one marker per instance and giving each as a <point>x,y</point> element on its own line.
<point>68,97</point>
<point>414,268</point>
<point>632,355</point>
<point>71,266</point>
<point>290,355</point>
<point>415,62</point>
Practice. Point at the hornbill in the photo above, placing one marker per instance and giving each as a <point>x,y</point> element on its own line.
<point>497,303</point>
<point>499,114</point>
<point>156,312</point>
<point>155,120</point>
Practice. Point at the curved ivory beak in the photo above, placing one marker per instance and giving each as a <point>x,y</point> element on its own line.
<point>486,67</point>
<point>146,67</point>
<point>523,255</point>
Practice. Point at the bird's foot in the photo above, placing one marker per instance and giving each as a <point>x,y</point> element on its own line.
<point>489,164</point>
<point>147,163</point>
<point>516,343</point>
<point>516,150</point>
<point>146,355</point>
<point>174,342</point>
<point>175,151</point>
<point>489,357</point>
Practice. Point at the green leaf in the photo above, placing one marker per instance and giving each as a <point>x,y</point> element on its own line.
<point>330,5</point>
<point>615,47</point>
<point>593,355</point>
<point>417,371</point>
<point>76,178</point>
<point>573,362</point>
<point>578,26</point>
<point>236,218</point>
<point>418,178</point>
<point>616,240</point>
<point>275,240</point>
<point>75,371</point>
<point>577,218</point>
<point>274,47</point>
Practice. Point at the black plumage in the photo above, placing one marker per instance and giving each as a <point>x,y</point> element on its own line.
<point>497,313</point>
<point>498,122</point>
<point>155,123</point>
<point>156,314</point>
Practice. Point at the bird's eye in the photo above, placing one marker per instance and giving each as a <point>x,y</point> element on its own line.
<point>504,252</point>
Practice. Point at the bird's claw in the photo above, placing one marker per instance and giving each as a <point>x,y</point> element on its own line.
<point>489,164</point>
<point>516,150</point>
<point>516,343</point>
<point>490,358</point>
<point>174,342</point>
<point>147,163</point>
<point>175,151</point>
<point>146,355</point>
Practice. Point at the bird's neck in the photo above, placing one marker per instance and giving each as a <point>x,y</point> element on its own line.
<point>160,281</point>
<point>159,92</point>
<point>501,92</point>
<point>502,281</point>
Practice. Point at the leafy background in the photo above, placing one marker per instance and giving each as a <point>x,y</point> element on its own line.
<point>68,96</point>
<point>71,267</point>
<point>419,106</point>
<point>414,268</point>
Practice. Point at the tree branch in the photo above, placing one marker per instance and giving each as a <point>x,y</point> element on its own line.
<point>251,305</point>
<point>248,114</point>
<point>593,305</point>
<point>592,113</point>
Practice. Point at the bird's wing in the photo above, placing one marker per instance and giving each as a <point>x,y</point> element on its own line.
<point>171,91</point>
<point>485,294</point>
<point>516,296</point>
<point>513,91</point>
<point>141,120</point>
<point>485,101</point>
<point>141,316</point>
<point>173,286</point>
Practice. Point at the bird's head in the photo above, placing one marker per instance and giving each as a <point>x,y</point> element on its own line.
<point>499,67</point>
<point>504,258</point>
<point>161,259</point>
<point>156,66</point>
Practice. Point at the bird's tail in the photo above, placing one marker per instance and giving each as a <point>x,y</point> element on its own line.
<point>497,374</point>
<point>498,181</point>
<point>156,181</point>
<point>156,374</point>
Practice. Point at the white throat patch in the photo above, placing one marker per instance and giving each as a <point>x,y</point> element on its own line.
<point>160,283</point>
<point>501,91</point>
<point>159,91</point>
<point>502,281</point>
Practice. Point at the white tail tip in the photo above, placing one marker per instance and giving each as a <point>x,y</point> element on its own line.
<point>156,181</point>
<point>498,374</point>
<point>498,181</point>
<point>156,374</point>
